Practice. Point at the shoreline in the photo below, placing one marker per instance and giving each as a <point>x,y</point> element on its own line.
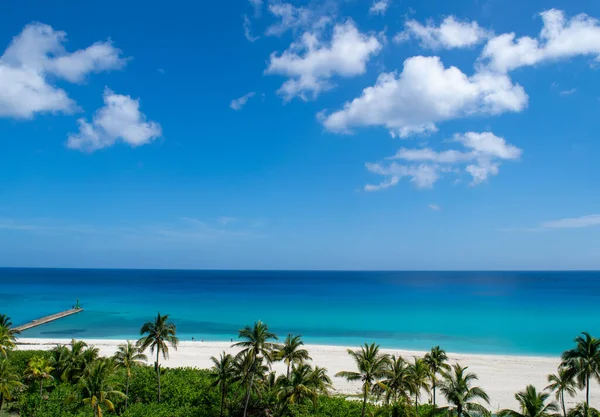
<point>500,375</point>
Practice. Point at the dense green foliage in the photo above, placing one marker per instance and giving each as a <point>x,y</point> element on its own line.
<point>74,381</point>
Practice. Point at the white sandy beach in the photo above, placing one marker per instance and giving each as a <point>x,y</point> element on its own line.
<point>500,376</point>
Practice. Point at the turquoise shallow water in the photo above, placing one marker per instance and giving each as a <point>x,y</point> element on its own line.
<point>532,313</point>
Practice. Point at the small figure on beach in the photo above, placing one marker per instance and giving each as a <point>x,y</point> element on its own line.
<point>193,339</point>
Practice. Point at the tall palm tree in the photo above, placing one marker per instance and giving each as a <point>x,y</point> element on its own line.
<point>396,383</point>
<point>436,360</point>
<point>457,387</point>
<point>156,335</point>
<point>532,404</point>
<point>371,365</point>
<point>562,383</point>
<point>419,377</point>
<point>291,352</point>
<point>223,373</point>
<point>9,381</point>
<point>583,362</point>
<point>129,356</point>
<point>97,386</point>
<point>38,368</point>
<point>256,343</point>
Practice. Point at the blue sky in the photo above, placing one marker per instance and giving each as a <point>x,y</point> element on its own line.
<point>331,134</point>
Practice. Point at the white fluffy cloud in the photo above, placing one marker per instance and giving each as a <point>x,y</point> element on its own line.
<point>559,38</point>
<point>120,118</point>
<point>36,55</point>
<point>480,157</point>
<point>451,33</point>
<point>426,93</point>
<point>290,17</point>
<point>311,63</point>
<point>238,103</point>
<point>379,7</point>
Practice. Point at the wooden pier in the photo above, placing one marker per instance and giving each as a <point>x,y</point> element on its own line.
<point>48,319</point>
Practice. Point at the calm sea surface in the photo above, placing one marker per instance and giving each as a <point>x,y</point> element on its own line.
<point>533,313</point>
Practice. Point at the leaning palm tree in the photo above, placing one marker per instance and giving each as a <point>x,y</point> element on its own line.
<point>419,376</point>
<point>583,410</point>
<point>456,386</point>
<point>38,368</point>
<point>9,381</point>
<point>291,352</point>
<point>531,404</point>
<point>562,383</point>
<point>129,356</point>
<point>583,362</point>
<point>396,383</point>
<point>223,374</point>
<point>320,381</point>
<point>256,343</point>
<point>371,365</point>
<point>97,386</point>
<point>436,360</point>
<point>156,335</point>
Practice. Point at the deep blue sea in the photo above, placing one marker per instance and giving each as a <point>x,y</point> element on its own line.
<point>533,313</point>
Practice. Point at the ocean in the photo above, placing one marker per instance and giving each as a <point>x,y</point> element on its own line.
<point>518,313</point>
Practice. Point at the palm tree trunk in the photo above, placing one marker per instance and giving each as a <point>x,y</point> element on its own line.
<point>288,370</point>
<point>222,401</point>
<point>416,403</point>
<point>562,401</point>
<point>158,373</point>
<point>248,393</point>
<point>364,407</point>
<point>459,410</point>
<point>587,391</point>
<point>1,400</point>
<point>433,395</point>
<point>127,390</point>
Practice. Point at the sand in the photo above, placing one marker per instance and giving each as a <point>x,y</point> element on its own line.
<point>501,376</point>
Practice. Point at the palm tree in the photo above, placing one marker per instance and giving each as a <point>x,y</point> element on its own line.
<point>562,382</point>
<point>396,383</point>
<point>320,381</point>
<point>371,366</point>
<point>583,362</point>
<point>155,335</point>
<point>291,352</point>
<point>583,410</point>
<point>6,322</point>
<point>436,360</point>
<point>97,386</point>
<point>418,375</point>
<point>129,356</point>
<point>223,373</point>
<point>39,368</point>
<point>59,359</point>
<point>77,358</point>
<point>9,381</point>
<point>7,335</point>
<point>532,404</point>
<point>298,387</point>
<point>256,343</point>
<point>456,387</point>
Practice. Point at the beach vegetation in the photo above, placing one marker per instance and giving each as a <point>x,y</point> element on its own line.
<point>74,380</point>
